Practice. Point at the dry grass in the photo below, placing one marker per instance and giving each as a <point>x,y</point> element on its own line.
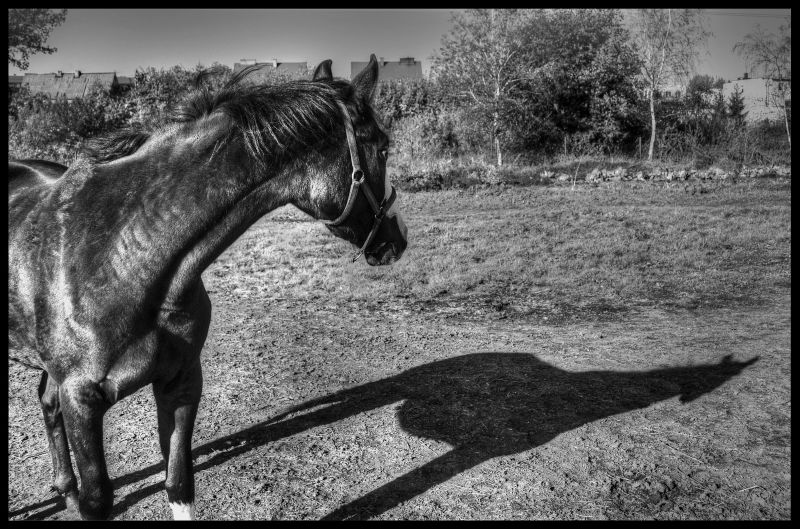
<point>552,252</point>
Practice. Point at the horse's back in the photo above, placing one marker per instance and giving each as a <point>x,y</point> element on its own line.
<point>25,174</point>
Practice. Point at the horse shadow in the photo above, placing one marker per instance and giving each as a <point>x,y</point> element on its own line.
<point>483,405</point>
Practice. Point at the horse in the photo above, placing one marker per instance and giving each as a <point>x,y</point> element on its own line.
<point>106,256</point>
<point>29,173</point>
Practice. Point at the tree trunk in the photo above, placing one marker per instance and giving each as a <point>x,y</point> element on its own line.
<point>786,122</point>
<point>496,131</point>
<point>652,125</point>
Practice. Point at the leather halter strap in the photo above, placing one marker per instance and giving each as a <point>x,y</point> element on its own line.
<point>359,182</point>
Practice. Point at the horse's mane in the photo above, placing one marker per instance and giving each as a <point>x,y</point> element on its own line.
<point>272,121</point>
<point>115,145</point>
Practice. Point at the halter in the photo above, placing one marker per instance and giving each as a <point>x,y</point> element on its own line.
<point>359,181</point>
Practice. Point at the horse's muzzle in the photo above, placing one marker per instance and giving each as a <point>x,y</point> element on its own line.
<point>385,253</point>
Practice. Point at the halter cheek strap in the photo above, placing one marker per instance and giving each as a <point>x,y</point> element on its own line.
<point>359,182</point>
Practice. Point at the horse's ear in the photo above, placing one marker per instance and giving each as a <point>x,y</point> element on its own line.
<point>366,80</point>
<point>323,71</point>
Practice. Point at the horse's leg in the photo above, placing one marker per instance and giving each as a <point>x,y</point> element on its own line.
<point>64,481</point>
<point>83,405</point>
<point>177,402</point>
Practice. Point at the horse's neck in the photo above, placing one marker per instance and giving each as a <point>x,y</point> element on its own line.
<point>228,225</point>
<point>170,216</point>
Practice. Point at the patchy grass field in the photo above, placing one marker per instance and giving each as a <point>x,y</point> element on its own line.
<point>538,353</point>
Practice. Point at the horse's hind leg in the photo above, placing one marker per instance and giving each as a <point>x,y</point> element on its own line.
<point>177,402</point>
<point>64,481</point>
<point>83,404</point>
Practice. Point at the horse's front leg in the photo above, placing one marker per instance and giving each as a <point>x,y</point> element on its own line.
<point>83,405</point>
<point>64,481</point>
<point>177,402</point>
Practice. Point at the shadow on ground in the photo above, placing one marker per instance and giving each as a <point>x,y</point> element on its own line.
<point>484,405</point>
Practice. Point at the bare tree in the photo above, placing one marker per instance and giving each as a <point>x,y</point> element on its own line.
<point>483,59</point>
<point>668,41</point>
<point>772,54</point>
<point>28,30</point>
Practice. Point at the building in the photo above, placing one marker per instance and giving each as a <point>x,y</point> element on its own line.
<point>71,84</point>
<point>405,68</point>
<point>125,83</point>
<point>14,83</point>
<point>269,70</point>
<point>761,96</point>
<point>672,92</point>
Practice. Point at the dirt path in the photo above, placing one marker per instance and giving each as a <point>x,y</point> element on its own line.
<point>428,412</point>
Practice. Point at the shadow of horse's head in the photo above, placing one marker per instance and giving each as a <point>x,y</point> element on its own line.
<point>508,402</point>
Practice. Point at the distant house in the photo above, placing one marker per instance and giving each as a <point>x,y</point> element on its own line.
<point>125,83</point>
<point>70,84</point>
<point>759,95</point>
<point>269,69</point>
<point>405,68</point>
<point>672,92</point>
<point>14,83</point>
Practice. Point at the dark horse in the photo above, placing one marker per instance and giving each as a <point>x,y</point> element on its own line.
<point>105,258</point>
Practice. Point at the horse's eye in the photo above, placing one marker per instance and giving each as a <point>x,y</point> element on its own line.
<point>384,153</point>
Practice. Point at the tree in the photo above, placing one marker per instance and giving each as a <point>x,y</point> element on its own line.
<point>28,30</point>
<point>668,41</point>
<point>736,112</point>
<point>702,96</point>
<point>534,77</point>
<point>772,54</point>
<point>483,59</point>
<point>585,83</point>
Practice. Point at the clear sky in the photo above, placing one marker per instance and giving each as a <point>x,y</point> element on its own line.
<point>126,39</point>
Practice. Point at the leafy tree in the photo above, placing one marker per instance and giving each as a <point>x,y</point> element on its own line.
<point>591,79</point>
<point>772,54</point>
<point>28,30</point>
<point>701,85</point>
<point>484,59</point>
<point>701,99</point>
<point>541,75</point>
<point>668,42</point>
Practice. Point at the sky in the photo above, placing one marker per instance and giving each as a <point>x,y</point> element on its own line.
<point>123,40</point>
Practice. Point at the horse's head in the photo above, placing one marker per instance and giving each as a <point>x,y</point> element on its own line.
<point>351,192</point>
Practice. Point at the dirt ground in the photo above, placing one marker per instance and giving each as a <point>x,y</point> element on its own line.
<point>398,408</point>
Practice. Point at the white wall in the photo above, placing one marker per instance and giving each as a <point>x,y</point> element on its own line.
<point>757,101</point>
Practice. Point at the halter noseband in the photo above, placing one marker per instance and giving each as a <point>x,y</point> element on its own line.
<point>359,181</point>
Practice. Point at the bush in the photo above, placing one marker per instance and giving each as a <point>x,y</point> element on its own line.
<point>449,133</point>
<point>56,130</point>
<point>399,99</point>
<point>438,174</point>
